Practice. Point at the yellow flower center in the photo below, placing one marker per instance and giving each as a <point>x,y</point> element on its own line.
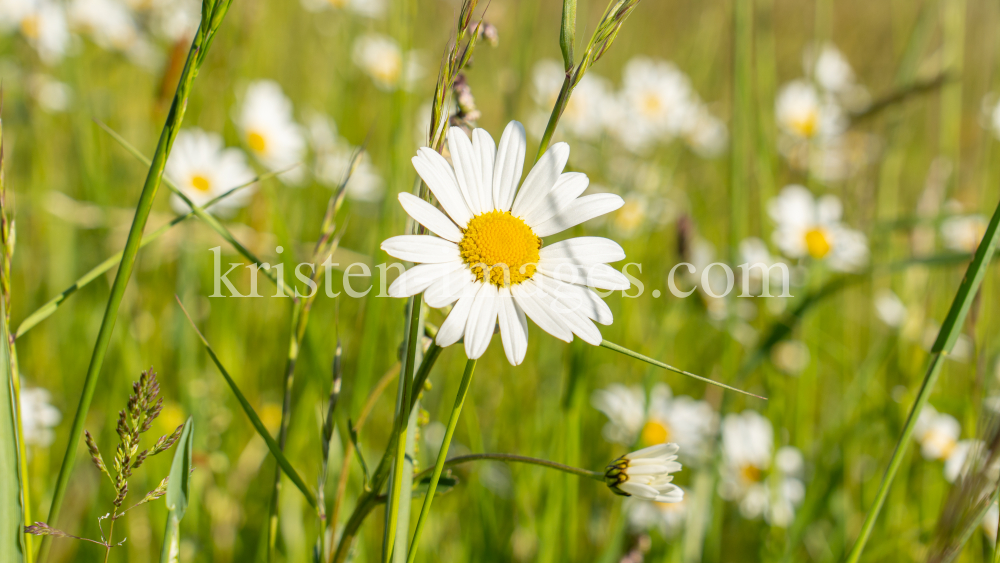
<point>387,70</point>
<point>806,125</point>
<point>501,246</point>
<point>256,141</point>
<point>337,3</point>
<point>655,432</point>
<point>817,243</point>
<point>750,473</point>
<point>651,104</point>
<point>201,183</point>
<point>29,27</point>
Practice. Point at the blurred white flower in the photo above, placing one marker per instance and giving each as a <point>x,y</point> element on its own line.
<point>366,8</point>
<point>385,63</point>
<point>667,517</point>
<point>38,416</point>
<point>890,308</point>
<point>804,115</point>
<point>52,95</point>
<point>954,464</point>
<point>960,352</point>
<point>830,69</point>
<point>937,433</point>
<point>270,131</point>
<point>112,25</point>
<point>203,168</point>
<point>990,522</point>
<point>646,474</point>
<point>810,227</point>
<point>704,133</point>
<point>963,233</point>
<point>654,104</point>
<point>585,113</point>
<point>790,356</point>
<point>41,22</point>
<point>333,159</point>
<point>664,418</point>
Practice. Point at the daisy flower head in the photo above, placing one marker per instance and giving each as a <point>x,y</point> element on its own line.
<point>804,115</point>
<point>646,474</point>
<point>112,26</point>
<point>381,58</point>
<point>41,22</point>
<point>830,68</point>
<point>203,168</point>
<point>963,233</point>
<point>270,132</point>
<point>937,433</point>
<point>38,416</point>
<point>810,227</point>
<point>584,116</point>
<point>487,256</point>
<point>655,102</point>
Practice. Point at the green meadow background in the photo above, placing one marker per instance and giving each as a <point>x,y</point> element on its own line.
<point>74,189</point>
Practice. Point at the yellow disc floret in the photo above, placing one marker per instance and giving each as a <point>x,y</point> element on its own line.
<point>501,244</point>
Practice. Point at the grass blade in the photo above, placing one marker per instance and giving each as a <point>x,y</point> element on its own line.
<point>177,494</point>
<point>272,445</point>
<point>11,534</point>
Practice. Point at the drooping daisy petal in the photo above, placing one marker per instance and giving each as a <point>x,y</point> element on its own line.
<point>582,209</point>
<point>583,250</point>
<point>486,152</point>
<point>430,217</point>
<point>541,179</point>
<point>420,277</point>
<point>569,187</point>
<point>436,172</point>
<point>509,165</point>
<point>513,328</point>
<point>600,276</point>
<point>425,249</point>
<point>463,158</point>
<point>449,288</point>
<point>482,321</point>
<point>578,298</point>
<point>530,298</point>
<point>453,328</point>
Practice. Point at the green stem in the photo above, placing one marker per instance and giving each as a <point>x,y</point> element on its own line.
<point>456,411</point>
<point>513,458</point>
<point>567,33</point>
<point>212,15</point>
<point>951,329</point>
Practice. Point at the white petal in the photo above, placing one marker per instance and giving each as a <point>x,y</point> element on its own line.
<point>583,251</point>
<point>464,160</point>
<point>569,186</point>
<point>509,165</point>
<point>541,179</point>
<point>482,321</point>
<point>577,298</point>
<point>429,216</point>
<point>440,178</point>
<point>449,288</point>
<point>513,328</point>
<point>418,278</point>
<point>425,249</point>
<point>639,491</point>
<point>530,298</point>
<point>486,152</point>
<point>600,276</point>
<point>453,328</point>
<point>576,322</point>
<point>583,209</point>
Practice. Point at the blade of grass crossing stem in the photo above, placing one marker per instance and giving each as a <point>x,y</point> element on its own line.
<point>456,411</point>
<point>657,363</point>
<point>212,16</point>
<point>177,495</point>
<point>286,465</point>
<point>950,331</point>
<point>11,527</point>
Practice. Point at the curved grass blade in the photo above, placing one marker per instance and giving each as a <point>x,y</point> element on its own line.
<point>272,445</point>
<point>177,494</point>
<point>11,526</point>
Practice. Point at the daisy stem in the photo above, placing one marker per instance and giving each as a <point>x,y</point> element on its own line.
<point>456,411</point>
<point>951,329</point>
<point>213,12</point>
<point>513,458</point>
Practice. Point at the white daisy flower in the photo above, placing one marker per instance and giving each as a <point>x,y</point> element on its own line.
<point>584,114</point>
<point>812,227</point>
<point>803,115</point>
<point>270,131</point>
<point>667,517</point>
<point>890,308</point>
<point>333,160</point>
<point>656,99</point>
<point>830,69</point>
<point>381,59</point>
<point>366,8</point>
<point>646,474</point>
<point>488,257</point>
<point>963,233</point>
<point>203,168</point>
<point>41,22</point>
<point>631,419</point>
<point>937,433</point>
<point>112,25</point>
<point>38,416</point>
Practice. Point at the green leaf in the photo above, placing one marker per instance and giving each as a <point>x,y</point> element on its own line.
<point>354,441</point>
<point>177,494</point>
<point>445,484</point>
<point>11,534</point>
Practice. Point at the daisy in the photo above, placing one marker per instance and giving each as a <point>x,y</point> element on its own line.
<point>803,115</point>
<point>366,8</point>
<point>809,227</point>
<point>584,114</point>
<point>663,418</point>
<point>830,69</point>
<point>112,25</point>
<point>41,22</point>
<point>655,101</point>
<point>385,63</point>
<point>937,434</point>
<point>488,258</point>
<point>963,233</point>
<point>667,517</point>
<point>646,474</point>
<point>954,464</point>
<point>270,131</point>
<point>38,416</point>
<point>203,168</point>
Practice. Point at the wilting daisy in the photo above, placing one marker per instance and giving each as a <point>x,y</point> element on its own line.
<point>663,418</point>
<point>646,474</point>
<point>812,227</point>
<point>38,416</point>
<point>937,433</point>
<point>764,482</point>
<point>488,257</point>
<point>667,517</point>
<point>585,113</point>
<point>803,114</point>
<point>41,22</point>
<point>203,168</point>
<point>270,131</point>
<point>963,233</point>
<point>381,59</point>
<point>655,100</point>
